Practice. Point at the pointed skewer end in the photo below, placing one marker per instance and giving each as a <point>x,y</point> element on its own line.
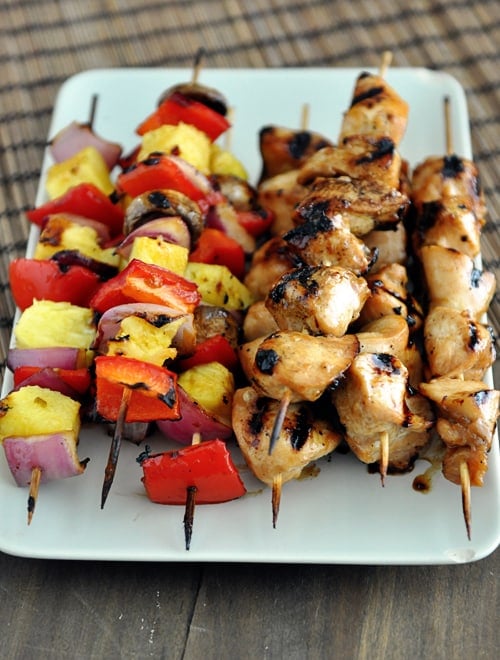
<point>189,514</point>
<point>36,475</point>
<point>466,496</point>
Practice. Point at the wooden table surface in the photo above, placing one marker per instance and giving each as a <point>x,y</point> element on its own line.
<point>62,609</point>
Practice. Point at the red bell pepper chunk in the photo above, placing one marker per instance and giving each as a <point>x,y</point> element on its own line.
<point>178,108</point>
<point>216,247</point>
<point>78,379</point>
<point>43,279</point>
<point>148,283</point>
<point>206,466</point>
<point>213,349</point>
<point>256,222</point>
<point>153,389</point>
<point>86,200</point>
<point>154,173</point>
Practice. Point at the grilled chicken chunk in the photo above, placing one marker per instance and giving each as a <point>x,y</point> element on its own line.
<point>456,345</point>
<point>389,244</point>
<point>475,458</point>
<point>328,241</point>
<point>441,178</point>
<point>296,364</point>
<point>318,300</point>
<point>467,410</point>
<point>258,322</point>
<point>389,295</point>
<point>452,225</point>
<point>375,399</point>
<point>303,436</point>
<point>388,334</point>
<point>284,149</point>
<point>281,194</point>
<point>365,204</point>
<point>269,262</point>
<point>454,281</point>
<point>376,110</point>
<point>359,157</point>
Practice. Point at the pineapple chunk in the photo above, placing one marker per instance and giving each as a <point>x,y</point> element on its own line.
<point>182,140</point>
<point>212,386</point>
<point>86,166</point>
<point>218,286</point>
<point>60,233</point>
<point>224,162</point>
<point>34,410</point>
<point>46,323</point>
<point>160,252</point>
<point>137,338</point>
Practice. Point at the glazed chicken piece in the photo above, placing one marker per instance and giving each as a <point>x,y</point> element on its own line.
<point>303,436</point>
<point>284,149</point>
<point>375,400</point>
<point>269,262</point>
<point>318,300</point>
<point>453,281</point>
<point>296,365</point>
<point>452,225</point>
<point>389,295</point>
<point>441,178</point>
<point>365,204</point>
<point>258,321</point>
<point>376,110</point>
<point>281,194</point>
<point>476,460</point>
<point>359,157</point>
<point>456,345</point>
<point>467,411</point>
<point>391,246</point>
<point>328,241</point>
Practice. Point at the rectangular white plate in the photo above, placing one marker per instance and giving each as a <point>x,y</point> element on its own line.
<point>341,516</point>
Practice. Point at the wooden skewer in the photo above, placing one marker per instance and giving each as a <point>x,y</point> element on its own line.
<point>304,118</point>
<point>114,450</point>
<point>384,456</point>
<point>93,110</point>
<point>386,62</point>
<point>466,496</point>
<point>447,125</point>
<point>278,422</point>
<point>190,503</point>
<point>198,63</point>
<point>36,475</point>
<point>276,497</point>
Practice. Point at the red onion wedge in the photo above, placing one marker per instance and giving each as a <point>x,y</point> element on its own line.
<point>56,357</point>
<point>173,230</point>
<point>49,379</point>
<point>75,137</point>
<point>194,419</point>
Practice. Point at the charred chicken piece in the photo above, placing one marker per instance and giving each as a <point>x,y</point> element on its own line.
<point>467,411</point>
<point>375,400</point>
<point>391,246</point>
<point>453,281</point>
<point>376,110</point>
<point>442,178</point>
<point>328,241</point>
<point>269,262</point>
<point>281,194</point>
<point>456,345</point>
<point>296,365</point>
<point>284,149</point>
<point>452,225</point>
<point>258,322</point>
<point>389,295</point>
<point>365,204</point>
<point>303,436</point>
<point>359,157</point>
<point>476,460</point>
<point>318,300</point>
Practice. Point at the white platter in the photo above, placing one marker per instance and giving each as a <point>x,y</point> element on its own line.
<point>342,515</point>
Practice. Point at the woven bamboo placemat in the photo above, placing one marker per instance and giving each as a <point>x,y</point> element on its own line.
<point>43,42</point>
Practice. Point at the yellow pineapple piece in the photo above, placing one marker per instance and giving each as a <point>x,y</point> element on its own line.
<point>46,323</point>
<point>137,338</point>
<point>34,410</point>
<point>60,233</point>
<point>212,386</point>
<point>160,252</point>
<point>182,140</point>
<point>86,166</point>
<point>218,286</point>
<point>224,162</point>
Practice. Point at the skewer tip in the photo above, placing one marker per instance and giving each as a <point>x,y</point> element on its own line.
<point>384,456</point>
<point>276,497</point>
<point>466,496</point>
<point>189,515</point>
<point>36,475</point>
